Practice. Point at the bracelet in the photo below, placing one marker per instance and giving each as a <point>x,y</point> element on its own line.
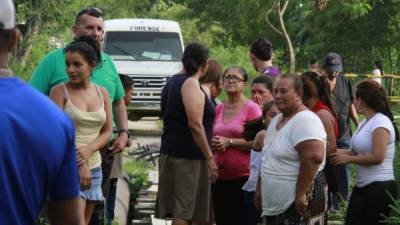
<point>124,131</point>
<point>230,142</point>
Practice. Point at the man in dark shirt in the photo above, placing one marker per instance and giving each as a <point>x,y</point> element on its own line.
<point>343,95</point>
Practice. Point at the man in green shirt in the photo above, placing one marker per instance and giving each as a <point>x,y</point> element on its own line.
<point>52,71</point>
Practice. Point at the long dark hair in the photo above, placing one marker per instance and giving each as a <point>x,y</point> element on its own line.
<point>321,83</point>
<point>374,96</point>
<point>214,73</point>
<point>252,127</point>
<point>87,47</point>
<point>194,56</point>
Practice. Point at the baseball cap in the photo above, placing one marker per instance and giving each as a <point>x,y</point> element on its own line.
<point>7,15</point>
<point>333,62</point>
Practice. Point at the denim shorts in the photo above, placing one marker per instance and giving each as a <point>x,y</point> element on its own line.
<point>94,193</point>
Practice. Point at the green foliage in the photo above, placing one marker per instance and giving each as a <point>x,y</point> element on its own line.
<point>138,174</point>
<point>192,29</point>
<point>396,165</point>
<point>356,9</point>
<point>37,51</point>
<point>339,215</point>
<point>362,31</point>
<point>394,218</point>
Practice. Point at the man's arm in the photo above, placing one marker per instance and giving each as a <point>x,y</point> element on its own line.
<point>64,212</point>
<point>352,110</point>
<point>353,114</point>
<point>121,121</point>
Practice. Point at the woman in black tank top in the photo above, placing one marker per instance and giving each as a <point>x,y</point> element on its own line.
<point>186,162</point>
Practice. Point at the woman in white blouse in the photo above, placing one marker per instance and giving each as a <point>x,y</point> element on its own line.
<point>293,187</point>
<point>373,147</point>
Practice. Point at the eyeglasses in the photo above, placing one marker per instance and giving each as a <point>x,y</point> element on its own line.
<point>91,11</point>
<point>233,78</point>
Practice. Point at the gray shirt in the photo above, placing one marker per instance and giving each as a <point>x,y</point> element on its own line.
<point>343,97</point>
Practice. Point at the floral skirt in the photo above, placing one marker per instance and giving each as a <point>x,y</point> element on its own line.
<point>316,211</point>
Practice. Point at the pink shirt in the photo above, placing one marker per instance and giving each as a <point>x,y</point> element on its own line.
<point>233,163</point>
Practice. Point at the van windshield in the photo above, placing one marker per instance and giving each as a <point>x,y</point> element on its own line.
<point>143,46</point>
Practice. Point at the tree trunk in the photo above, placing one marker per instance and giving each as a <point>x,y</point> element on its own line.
<point>32,28</point>
<point>286,36</point>
<point>389,52</point>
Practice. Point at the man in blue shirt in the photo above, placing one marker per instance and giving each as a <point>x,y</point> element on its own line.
<point>37,151</point>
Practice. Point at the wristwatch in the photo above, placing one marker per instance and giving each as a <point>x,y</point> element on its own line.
<point>124,131</point>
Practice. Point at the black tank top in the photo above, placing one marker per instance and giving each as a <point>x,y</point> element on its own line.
<point>177,139</point>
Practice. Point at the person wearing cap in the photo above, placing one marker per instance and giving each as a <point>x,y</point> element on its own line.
<point>52,71</point>
<point>261,55</point>
<point>37,153</point>
<point>342,92</point>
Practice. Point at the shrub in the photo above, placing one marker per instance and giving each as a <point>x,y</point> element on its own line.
<point>394,217</point>
<point>138,174</point>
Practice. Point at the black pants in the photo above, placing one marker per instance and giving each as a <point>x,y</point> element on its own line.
<point>229,205</point>
<point>368,203</point>
<point>253,215</point>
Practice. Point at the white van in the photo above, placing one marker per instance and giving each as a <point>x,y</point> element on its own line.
<point>147,50</point>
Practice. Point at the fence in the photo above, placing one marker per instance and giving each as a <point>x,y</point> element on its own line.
<point>390,82</point>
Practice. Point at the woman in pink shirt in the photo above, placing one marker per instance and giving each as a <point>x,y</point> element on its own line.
<point>231,151</point>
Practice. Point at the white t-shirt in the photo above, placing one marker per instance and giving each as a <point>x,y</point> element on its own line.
<point>255,163</point>
<point>377,72</point>
<point>280,160</point>
<point>361,143</point>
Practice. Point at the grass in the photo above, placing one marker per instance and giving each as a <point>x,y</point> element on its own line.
<point>394,218</point>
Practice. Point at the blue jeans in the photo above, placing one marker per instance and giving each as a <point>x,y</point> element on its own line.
<point>342,172</point>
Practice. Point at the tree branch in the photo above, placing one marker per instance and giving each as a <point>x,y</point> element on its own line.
<point>287,37</point>
<point>285,7</point>
<point>269,22</point>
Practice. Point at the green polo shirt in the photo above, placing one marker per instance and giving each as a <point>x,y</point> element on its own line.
<point>52,71</point>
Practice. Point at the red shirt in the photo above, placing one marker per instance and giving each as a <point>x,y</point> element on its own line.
<point>321,105</point>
